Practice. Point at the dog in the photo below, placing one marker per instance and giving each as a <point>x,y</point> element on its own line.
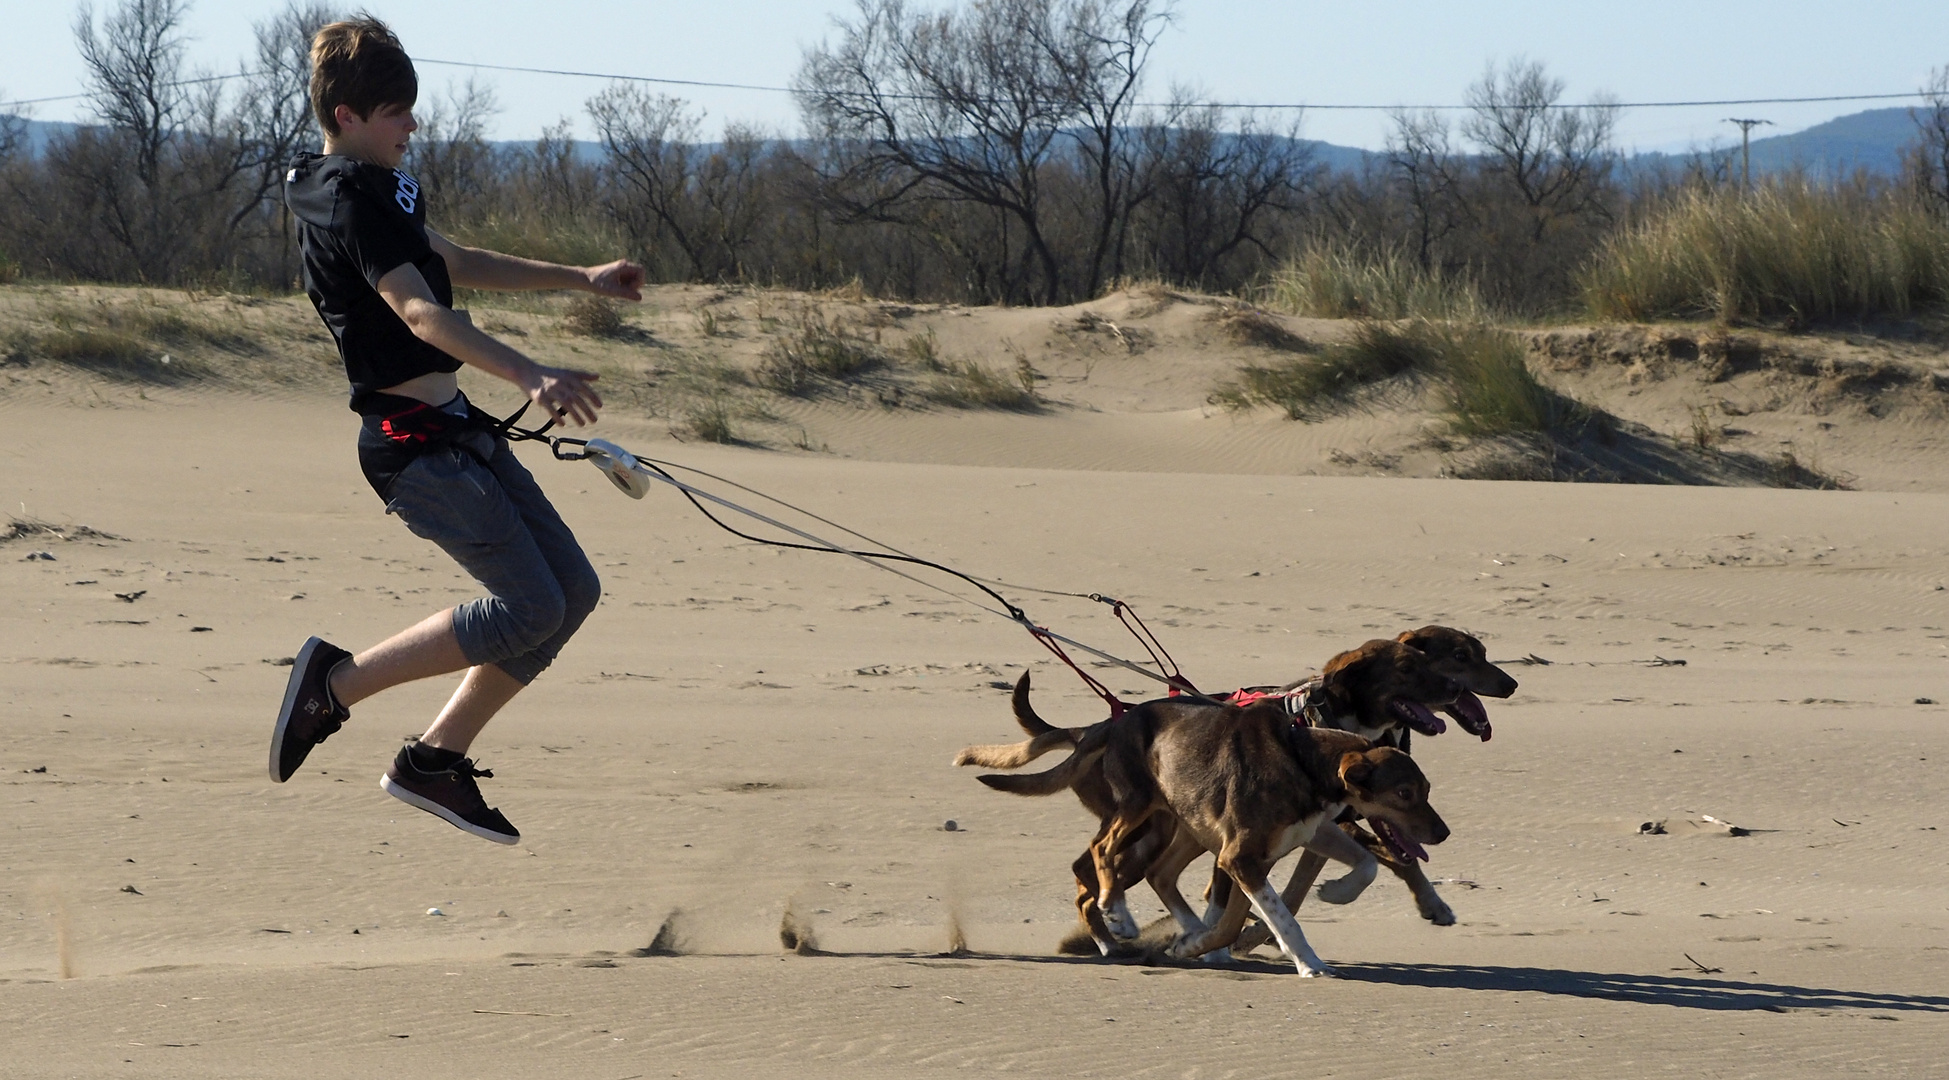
<point>1379,691</point>
<point>1451,654</point>
<point>1250,785</point>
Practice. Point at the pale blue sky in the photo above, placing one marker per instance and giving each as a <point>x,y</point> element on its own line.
<point>1244,50</point>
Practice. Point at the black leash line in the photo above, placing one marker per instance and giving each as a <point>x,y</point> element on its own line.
<point>1168,673</point>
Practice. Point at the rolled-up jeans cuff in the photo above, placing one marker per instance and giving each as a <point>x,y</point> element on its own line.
<point>471,629</point>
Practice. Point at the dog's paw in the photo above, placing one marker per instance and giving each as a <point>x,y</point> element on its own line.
<point>1121,924</point>
<point>1344,890</point>
<point>1181,948</point>
<point>1320,971</point>
<point>1250,939</point>
<point>1216,956</point>
<point>1435,910</point>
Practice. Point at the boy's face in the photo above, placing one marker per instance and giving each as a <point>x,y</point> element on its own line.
<point>379,139</point>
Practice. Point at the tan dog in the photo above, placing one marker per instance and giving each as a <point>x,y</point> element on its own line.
<point>1249,785</point>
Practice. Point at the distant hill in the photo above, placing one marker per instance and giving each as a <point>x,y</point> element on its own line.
<point>1873,140</point>
<point>40,131</point>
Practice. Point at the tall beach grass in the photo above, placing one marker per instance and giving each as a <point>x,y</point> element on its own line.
<point>1335,280</point>
<point>1786,250</point>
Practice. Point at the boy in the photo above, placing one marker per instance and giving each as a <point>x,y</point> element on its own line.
<point>382,281</point>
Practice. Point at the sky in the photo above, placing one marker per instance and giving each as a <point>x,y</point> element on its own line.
<point>1378,52</point>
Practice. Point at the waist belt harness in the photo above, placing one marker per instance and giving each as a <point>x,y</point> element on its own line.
<point>399,429</point>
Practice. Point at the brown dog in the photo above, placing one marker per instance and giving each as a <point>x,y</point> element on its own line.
<point>1249,785</point>
<point>1458,657</point>
<point>1379,691</point>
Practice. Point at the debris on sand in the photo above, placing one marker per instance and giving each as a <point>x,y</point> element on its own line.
<point>1731,829</point>
<point>668,940</point>
<point>1652,828</point>
<point>795,933</point>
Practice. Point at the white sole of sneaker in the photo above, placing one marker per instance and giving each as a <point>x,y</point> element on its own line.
<point>298,666</point>
<point>386,784</point>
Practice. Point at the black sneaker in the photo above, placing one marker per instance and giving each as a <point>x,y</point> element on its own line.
<point>310,714</point>
<point>449,793</point>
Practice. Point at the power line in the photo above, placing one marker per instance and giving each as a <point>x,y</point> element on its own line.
<point>198,81</point>
<point>1219,104</point>
<point>1240,105</point>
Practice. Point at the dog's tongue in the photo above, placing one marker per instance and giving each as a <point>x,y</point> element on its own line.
<point>1419,717</point>
<point>1402,845</point>
<point>1468,712</point>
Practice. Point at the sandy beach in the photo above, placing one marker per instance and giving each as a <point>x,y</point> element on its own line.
<point>743,737</point>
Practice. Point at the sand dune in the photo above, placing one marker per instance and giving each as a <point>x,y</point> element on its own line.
<point>742,732</point>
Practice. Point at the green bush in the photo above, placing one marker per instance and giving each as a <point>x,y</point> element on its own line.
<point>1483,375</point>
<point>1488,388</point>
<point>1309,387</point>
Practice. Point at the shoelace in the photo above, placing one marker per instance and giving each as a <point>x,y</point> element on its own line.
<point>465,767</point>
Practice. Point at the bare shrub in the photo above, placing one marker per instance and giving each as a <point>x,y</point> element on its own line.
<point>592,316</point>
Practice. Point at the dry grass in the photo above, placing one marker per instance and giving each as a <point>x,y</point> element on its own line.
<point>1793,251</point>
<point>710,421</point>
<point>969,385</point>
<point>1247,325</point>
<point>592,316</point>
<point>818,350</point>
<point>1311,387</point>
<point>1340,281</point>
<point>1486,386</point>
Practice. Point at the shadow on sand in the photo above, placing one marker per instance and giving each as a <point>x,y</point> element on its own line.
<point>1681,991</point>
<point>1678,991</point>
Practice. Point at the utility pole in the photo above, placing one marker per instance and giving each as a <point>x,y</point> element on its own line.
<point>1746,149</point>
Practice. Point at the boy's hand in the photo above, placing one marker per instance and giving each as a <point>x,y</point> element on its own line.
<point>621,279</point>
<point>565,394</point>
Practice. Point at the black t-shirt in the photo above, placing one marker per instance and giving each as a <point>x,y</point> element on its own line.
<point>358,222</point>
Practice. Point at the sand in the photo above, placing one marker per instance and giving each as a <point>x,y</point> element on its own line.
<point>741,736</point>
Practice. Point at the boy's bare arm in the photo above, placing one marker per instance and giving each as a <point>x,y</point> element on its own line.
<point>563,392</point>
<point>478,268</point>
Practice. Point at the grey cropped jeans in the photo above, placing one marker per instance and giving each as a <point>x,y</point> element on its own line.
<point>495,522</point>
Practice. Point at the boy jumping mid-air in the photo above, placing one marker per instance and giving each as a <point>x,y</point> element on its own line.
<point>383,283</point>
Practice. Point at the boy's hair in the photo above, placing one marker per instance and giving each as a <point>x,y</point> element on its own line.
<point>359,63</point>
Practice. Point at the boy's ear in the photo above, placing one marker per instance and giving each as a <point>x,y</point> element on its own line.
<point>343,114</point>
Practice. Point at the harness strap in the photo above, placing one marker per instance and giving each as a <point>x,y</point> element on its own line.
<point>1117,705</point>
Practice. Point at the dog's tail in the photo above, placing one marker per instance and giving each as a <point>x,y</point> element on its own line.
<point>1088,750</point>
<point>1015,755</point>
<point>1043,737</point>
<point>1025,713</point>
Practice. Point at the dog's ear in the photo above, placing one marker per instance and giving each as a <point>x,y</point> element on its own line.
<point>1355,770</point>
